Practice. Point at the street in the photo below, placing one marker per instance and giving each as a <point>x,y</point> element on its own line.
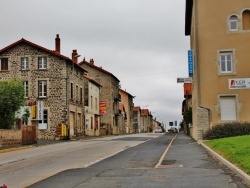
<point>117,161</point>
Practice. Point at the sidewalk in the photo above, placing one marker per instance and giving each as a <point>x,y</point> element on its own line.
<point>194,158</point>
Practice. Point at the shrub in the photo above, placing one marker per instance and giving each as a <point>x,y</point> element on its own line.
<point>227,130</point>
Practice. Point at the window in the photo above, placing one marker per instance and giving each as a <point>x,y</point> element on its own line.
<point>42,88</point>
<point>71,91</point>
<point>228,108</point>
<point>233,23</point>
<point>80,94</point>
<point>42,63</point>
<point>77,94</point>
<point>26,89</point>
<point>4,64</point>
<point>96,103</point>
<point>24,63</point>
<point>226,62</point>
<point>91,101</point>
<point>246,20</point>
<point>43,124</point>
<point>91,123</point>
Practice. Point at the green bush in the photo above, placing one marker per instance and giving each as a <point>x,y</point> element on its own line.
<point>228,130</point>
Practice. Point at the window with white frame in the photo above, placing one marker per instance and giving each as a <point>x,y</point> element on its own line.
<point>3,64</point>
<point>228,108</point>
<point>43,124</point>
<point>226,62</point>
<point>42,62</point>
<point>42,88</point>
<point>233,23</point>
<point>24,63</point>
<point>26,89</point>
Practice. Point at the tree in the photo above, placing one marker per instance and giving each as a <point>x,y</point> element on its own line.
<point>11,98</point>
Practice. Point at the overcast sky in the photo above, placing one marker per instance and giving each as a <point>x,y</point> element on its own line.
<point>141,42</point>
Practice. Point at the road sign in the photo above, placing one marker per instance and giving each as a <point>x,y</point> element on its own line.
<point>184,80</point>
<point>190,63</point>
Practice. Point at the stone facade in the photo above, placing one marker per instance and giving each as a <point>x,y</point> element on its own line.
<point>50,78</point>
<point>109,95</point>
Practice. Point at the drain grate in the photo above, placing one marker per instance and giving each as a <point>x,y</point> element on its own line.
<point>168,162</point>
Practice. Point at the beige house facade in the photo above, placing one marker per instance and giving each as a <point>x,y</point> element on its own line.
<point>91,102</point>
<point>53,83</point>
<point>127,101</point>
<point>219,33</point>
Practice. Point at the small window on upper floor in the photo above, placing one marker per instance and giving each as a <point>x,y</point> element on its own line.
<point>246,19</point>
<point>42,63</point>
<point>24,63</point>
<point>233,23</point>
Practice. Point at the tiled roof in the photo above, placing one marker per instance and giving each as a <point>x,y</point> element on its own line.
<point>126,93</point>
<point>97,68</point>
<point>93,81</point>
<point>136,108</point>
<point>144,112</point>
<point>34,45</point>
<point>40,48</point>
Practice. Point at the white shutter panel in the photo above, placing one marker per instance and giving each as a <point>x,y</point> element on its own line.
<point>228,108</point>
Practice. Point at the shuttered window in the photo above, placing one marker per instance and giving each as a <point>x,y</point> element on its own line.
<point>228,108</point>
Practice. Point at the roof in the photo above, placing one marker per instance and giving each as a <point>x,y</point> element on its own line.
<point>188,16</point>
<point>34,45</point>
<point>126,93</point>
<point>144,112</point>
<point>136,108</point>
<point>93,81</point>
<point>40,48</point>
<point>97,68</point>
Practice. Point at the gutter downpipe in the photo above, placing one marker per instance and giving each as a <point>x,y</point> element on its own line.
<point>198,63</point>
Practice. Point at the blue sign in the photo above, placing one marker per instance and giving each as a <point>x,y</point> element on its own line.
<point>190,63</point>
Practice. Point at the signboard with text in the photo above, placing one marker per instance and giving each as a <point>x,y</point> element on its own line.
<point>239,83</point>
<point>184,80</point>
<point>39,110</point>
<point>103,107</point>
<point>190,63</point>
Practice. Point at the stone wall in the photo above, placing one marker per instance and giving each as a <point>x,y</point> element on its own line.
<point>10,137</point>
<point>202,122</point>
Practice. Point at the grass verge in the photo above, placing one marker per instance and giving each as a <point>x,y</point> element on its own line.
<point>234,149</point>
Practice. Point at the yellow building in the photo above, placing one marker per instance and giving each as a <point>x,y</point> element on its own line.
<point>219,33</point>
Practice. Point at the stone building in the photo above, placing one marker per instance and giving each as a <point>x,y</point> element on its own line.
<point>219,36</point>
<point>136,119</point>
<point>52,82</point>
<point>109,98</point>
<point>127,101</point>
<point>146,121</point>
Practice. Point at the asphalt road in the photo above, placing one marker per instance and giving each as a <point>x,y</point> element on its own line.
<point>165,161</point>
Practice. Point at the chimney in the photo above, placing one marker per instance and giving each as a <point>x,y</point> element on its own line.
<point>75,56</point>
<point>91,61</point>
<point>58,44</point>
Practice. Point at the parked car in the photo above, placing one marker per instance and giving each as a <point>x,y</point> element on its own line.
<point>173,130</point>
<point>158,130</point>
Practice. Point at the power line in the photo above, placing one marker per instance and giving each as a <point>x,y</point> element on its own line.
<point>151,74</point>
